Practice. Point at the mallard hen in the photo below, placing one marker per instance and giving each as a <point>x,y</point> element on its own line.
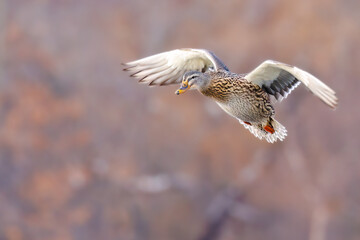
<point>246,97</point>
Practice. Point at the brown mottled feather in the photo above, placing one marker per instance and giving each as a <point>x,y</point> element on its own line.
<point>226,87</point>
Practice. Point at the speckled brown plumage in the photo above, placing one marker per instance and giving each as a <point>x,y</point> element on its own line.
<point>247,101</point>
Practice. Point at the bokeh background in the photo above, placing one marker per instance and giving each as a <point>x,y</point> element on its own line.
<point>88,153</point>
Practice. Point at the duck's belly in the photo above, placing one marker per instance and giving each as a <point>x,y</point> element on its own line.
<point>240,99</point>
<point>248,111</point>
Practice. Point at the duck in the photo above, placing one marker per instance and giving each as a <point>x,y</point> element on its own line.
<point>249,97</point>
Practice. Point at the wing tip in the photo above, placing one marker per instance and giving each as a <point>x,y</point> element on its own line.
<point>330,100</point>
<point>126,66</point>
<point>134,73</point>
<point>335,103</point>
<point>142,80</point>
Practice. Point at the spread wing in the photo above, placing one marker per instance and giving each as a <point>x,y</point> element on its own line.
<point>169,67</point>
<point>279,79</point>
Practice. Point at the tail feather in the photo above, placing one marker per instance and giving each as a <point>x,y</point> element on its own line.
<point>280,131</point>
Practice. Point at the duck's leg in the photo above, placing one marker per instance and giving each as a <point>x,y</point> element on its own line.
<point>247,123</point>
<point>269,127</point>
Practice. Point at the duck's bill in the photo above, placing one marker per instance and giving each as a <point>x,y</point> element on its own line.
<point>182,89</point>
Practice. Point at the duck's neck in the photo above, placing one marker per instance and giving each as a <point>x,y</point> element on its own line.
<point>203,82</point>
<point>216,88</point>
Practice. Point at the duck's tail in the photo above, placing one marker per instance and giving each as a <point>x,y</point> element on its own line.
<point>272,130</point>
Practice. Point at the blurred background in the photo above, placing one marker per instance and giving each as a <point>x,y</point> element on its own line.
<point>88,153</point>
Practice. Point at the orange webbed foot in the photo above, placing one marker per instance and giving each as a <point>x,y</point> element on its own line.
<point>269,129</point>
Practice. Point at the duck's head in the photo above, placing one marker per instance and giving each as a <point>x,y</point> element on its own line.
<point>192,80</point>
